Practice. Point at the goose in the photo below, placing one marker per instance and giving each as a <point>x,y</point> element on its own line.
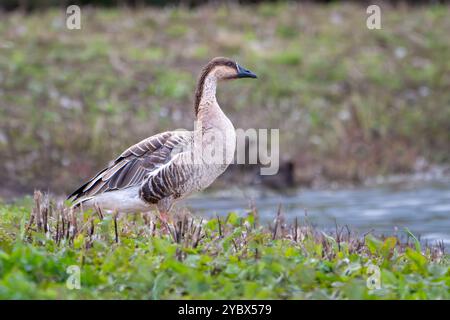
<point>162,169</point>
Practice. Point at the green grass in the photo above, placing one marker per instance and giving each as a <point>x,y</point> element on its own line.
<point>227,258</point>
<point>349,102</point>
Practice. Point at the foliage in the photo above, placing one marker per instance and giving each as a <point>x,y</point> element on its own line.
<point>234,258</point>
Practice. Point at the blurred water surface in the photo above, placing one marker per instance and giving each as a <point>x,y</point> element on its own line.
<point>424,208</point>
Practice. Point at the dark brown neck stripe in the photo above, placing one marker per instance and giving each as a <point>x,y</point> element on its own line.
<point>205,71</point>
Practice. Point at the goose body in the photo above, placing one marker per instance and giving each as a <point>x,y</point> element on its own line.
<point>169,166</point>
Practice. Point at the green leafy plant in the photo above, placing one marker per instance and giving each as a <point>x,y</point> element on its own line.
<point>130,257</point>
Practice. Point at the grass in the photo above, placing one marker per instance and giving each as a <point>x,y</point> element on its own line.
<point>350,102</point>
<point>129,257</point>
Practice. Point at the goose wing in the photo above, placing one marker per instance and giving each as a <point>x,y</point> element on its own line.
<point>135,164</point>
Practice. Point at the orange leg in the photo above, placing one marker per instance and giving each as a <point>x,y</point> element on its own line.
<point>164,209</point>
<point>164,217</point>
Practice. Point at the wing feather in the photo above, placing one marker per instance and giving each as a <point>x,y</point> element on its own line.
<point>135,164</point>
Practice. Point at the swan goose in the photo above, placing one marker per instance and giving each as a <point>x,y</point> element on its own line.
<point>169,166</point>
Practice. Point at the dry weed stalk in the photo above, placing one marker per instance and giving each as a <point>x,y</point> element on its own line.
<point>63,224</point>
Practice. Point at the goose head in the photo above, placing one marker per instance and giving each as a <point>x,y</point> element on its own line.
<point>217,69</point>
<point>226,69</point>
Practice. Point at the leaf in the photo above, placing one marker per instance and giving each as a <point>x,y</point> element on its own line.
<point>233,219</point>
<point>416,241</point>
<point>212,225</point>
<point>159,285</point>
<point>388,245</point>
<point>373,244</point>
<point>290,252</point>
<point>250,219</point>
<point>417,258</point>
<point>78,241</point>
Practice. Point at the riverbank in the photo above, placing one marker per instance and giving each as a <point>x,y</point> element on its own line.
<point>384,206</point>
<point>221,258</point>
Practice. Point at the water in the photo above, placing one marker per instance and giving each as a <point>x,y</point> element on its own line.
<point>423,208</point>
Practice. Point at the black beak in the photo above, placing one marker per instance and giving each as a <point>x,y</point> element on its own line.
<point>244,73</point>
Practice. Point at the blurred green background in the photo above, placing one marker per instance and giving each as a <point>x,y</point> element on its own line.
<point>350,102</point>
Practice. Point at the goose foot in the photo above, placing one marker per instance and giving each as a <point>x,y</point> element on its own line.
<point>164,218</point>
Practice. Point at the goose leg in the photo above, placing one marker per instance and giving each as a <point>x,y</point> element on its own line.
<point>164,217</point>
<point>164,207</point>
